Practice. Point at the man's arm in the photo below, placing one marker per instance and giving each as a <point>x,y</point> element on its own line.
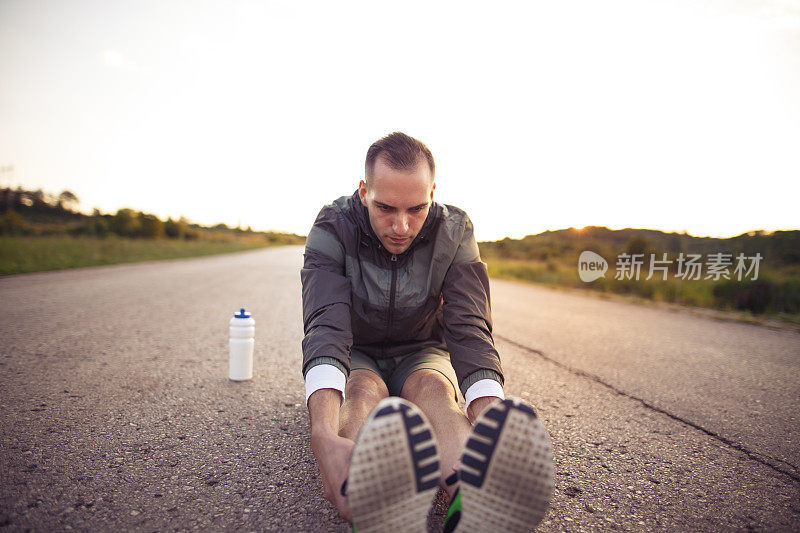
<point>326,300</point>
<point>332,452</point>
<point>468,323</point>
<point>326,352</point>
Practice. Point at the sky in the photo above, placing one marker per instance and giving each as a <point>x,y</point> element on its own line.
<point>673,115</point>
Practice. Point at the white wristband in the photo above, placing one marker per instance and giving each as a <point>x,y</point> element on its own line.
<point>482,388</point>
<point>324,377</point>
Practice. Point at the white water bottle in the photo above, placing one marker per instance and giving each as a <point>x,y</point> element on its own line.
<point>242,340</point>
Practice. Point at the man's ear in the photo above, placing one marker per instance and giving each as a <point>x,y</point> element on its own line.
<point>433,188</point>
<point>362,192</point>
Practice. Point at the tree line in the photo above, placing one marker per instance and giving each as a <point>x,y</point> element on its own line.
<point>542,257</point>
<point>24,212</point>
<point>779,248</point>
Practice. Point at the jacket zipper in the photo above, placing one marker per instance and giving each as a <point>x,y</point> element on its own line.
<point>392,292</point>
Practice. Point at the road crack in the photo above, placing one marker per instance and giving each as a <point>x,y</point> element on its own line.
<point>778,465</point>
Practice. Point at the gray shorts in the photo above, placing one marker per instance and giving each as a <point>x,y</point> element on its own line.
<point>396,370</point>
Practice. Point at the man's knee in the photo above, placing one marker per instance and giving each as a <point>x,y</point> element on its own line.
<point>365,386</point>
<point>427,384</point>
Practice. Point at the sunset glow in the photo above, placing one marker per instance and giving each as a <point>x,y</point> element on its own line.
<point>679,116</point>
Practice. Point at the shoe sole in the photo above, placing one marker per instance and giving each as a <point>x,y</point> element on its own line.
<point>506,471</point>
<point>394,472</point>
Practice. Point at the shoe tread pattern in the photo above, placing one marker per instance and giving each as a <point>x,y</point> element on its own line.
<point>507,471</point>
<point>395,470</point>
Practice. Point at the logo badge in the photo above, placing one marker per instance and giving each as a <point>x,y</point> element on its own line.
<point>591,266</point>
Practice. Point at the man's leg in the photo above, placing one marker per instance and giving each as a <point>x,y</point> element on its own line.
<point>394,468</point>
<point>433,394</point>
<point>364,390</point>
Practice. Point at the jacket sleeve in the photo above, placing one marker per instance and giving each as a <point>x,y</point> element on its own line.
<point>467,315</point>
<point>326,297</point>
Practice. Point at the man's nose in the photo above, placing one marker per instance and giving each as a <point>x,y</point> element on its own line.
<point>400,225</point>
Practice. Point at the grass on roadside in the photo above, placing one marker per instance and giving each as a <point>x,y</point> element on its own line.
<point>694,293</point>
<point>20,255</point>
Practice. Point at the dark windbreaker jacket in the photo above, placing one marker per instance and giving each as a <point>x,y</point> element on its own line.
<point>358,295</point>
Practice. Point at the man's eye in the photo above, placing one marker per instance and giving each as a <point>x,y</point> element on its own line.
<point>418,208</point>
<point>384,208</point>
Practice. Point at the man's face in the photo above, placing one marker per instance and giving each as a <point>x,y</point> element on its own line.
<point>398,203</point>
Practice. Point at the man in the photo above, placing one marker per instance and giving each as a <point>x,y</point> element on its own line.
<point>395,303</point>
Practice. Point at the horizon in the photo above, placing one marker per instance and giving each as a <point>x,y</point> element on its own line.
<point>539,115</point>
<point>753,232</point>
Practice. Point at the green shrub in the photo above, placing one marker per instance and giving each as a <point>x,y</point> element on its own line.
<point>787,296</point>
<point>11,223</point>
<point>753,296</point>
<point>150,227</point>
<point>125,223</point>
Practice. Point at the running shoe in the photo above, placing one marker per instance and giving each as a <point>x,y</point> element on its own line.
<point>505,473</point>
<point>394,472</point>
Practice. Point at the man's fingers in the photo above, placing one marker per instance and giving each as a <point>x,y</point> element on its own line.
<point>344,511</point>
<point>333,457</point>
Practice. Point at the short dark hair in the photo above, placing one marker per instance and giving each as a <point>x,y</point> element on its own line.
<point>400,152</point>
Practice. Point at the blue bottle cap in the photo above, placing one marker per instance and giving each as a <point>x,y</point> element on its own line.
<point>242,314</point>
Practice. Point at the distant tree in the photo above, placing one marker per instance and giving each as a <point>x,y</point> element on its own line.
<point>101,228</point>
<point>676,243</point>
<point>150,226</point>
<point>637,245</point>
<point>98,225</point>
<point>37,199</point>
<point>68,201</point>
<point>192,231</point>
<point>6,199</point>
<point>51,199</point>
<point>176,229</point>
<point>172,229</point>
<point>640,245</point>
<point>19,199</point>
<point>125,223</point>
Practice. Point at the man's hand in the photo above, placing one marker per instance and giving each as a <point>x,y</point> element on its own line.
<point>478,406</point>
<point>333,452</point>
<point>333,455</point>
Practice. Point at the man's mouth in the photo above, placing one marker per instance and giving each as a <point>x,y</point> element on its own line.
<point>398,241</point>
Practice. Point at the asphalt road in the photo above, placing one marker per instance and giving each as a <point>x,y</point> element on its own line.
<point>117,412</point>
